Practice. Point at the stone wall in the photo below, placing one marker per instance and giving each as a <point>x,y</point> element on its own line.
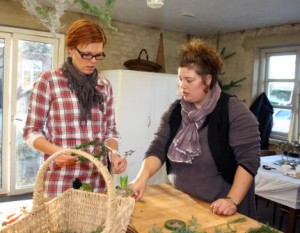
<point>247,45</point>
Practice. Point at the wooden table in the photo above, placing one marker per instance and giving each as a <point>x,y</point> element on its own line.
<point>162,202</point>
<point>275,186</point>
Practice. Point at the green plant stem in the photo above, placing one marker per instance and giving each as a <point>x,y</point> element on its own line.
<point>95,144</point>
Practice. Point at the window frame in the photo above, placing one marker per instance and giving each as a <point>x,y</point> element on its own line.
<point>13,35</point>
<point>265,54</point>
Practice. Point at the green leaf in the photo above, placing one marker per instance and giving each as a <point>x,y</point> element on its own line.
<point>103,14</point>
<point>123,182</point>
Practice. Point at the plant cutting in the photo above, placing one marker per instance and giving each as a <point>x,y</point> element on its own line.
<point>96,144</point>
<point>123,182</point>
<point>123,189</point>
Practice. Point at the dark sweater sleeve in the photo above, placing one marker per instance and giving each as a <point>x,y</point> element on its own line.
<point>244,135</point>
<point>158,145</point>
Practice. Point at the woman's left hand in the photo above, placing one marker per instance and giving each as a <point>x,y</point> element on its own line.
<point>119,164</point>
<point>223,206</point>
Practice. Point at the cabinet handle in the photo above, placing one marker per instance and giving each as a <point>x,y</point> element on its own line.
<point>149,121</point>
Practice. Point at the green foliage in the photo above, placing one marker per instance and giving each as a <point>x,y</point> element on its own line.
<point>103,14</point>
<point>262,229</point>
<point>86,187</point>
<point>237,220</point>
<point>95,144</point>
<point>98,230</point>
<point>123,182</point>
<point>156,229</point>
<point>193,227</point>
<point>231,84</point>
<point>50,16</point>
<point>228,86</point>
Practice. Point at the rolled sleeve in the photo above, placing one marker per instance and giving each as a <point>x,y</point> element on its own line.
<point>37,110</point>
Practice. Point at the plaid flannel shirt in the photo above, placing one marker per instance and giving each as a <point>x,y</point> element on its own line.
<point>54,113</point>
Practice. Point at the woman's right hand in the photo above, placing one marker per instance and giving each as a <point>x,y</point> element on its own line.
<point>66,160</point>
<point>138,187</point>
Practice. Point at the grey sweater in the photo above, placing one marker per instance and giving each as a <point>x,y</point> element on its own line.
<point>201,179</point>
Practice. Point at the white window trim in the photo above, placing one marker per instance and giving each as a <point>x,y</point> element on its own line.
<point>8,184</point>
<point>293,134</point>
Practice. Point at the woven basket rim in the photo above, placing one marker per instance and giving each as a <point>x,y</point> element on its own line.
<point>142,64</point>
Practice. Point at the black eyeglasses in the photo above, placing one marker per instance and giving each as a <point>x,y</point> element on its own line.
<point>88,56</point>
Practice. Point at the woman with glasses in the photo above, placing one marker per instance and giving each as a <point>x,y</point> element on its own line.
<point>72,106</point>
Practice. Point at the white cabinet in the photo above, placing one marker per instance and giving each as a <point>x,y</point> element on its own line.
<point>140,98</point>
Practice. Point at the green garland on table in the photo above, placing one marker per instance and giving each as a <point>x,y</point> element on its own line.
<point>95,144</point>
<point>192,227</point>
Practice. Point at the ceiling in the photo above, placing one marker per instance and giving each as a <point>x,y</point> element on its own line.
<point>205,17</point>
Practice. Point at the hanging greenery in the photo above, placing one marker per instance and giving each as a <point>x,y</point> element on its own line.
<point>50,16</point>
<point>228,86</point>
<point>104,14</point>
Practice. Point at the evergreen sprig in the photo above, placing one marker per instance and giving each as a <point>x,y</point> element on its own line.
<point>95,144</point>
<point>104,13</point>
<point>192,227</point>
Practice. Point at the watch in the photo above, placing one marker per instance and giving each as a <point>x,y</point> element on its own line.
<point>232,200</point>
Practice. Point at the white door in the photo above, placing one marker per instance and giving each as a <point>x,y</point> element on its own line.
<point>31,53</point>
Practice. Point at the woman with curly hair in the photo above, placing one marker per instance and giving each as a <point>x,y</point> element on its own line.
<point>208,139</point>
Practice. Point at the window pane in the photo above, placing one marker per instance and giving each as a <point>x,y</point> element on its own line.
<point>1,102</point>
<point>33,58</point>
<point>281,120</point>
<point>282,67</point>
<point>280,93</point>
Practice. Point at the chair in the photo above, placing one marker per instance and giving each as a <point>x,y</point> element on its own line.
<point>267,152</point>
<point>285,211</point>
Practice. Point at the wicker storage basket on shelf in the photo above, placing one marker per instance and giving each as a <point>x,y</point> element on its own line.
<point>141,64</point>
<point>75,210</point>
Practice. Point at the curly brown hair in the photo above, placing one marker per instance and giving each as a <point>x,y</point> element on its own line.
<point>199,55</point>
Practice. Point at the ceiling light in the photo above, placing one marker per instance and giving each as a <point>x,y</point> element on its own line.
<point>155,4</point>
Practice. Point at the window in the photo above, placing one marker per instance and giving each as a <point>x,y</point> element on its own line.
<point>24,54</point>
<point>280,76</point>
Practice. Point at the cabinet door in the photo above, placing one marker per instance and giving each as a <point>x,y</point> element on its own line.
<point>140,100</point>
<point>132,95</point>
<point>164,92</point>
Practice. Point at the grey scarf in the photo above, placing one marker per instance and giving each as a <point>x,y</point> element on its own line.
<point>84,87</point>
<point>186,144</point>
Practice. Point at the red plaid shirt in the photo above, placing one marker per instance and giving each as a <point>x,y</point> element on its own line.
<point>54,112</point>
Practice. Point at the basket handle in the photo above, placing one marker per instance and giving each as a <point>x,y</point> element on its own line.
<point>38,192</point>
<point>143,50</point>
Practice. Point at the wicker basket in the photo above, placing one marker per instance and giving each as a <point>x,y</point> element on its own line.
<point>75,210</point>
<point>141,64</point>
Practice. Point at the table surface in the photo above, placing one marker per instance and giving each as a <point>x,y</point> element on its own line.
<point>163,202</point>
<point>275,185</point>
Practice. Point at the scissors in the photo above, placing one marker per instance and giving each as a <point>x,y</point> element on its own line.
<point>268,167</point>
